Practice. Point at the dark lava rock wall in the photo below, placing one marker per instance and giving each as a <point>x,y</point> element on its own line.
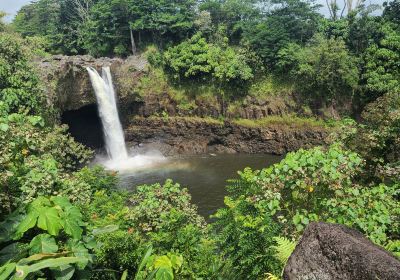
<point>197,136</point>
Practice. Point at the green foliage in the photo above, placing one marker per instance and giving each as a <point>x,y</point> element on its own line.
<point>377,139</point>
<point>245,234</point>
<point>284,249</point>
<point>19,85</point>
<point>160,215</point>
<point>296,187</point>
<point>197,59</point>
<point>2,23</point>
<point>374,211</point>
<point>308,185</point>
<point>46,238</point>
<point>324,71</point>
<point>291,21</point>
<point>36,160</point>
<point>382,72</point>
<point>391,11</point>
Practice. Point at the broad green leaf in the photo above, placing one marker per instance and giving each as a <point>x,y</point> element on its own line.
<point>72,228</point>
<point>79,250</point>
<point>106,229</point>
<point>49,220</point>
<point>124,275</point>
<point>63,273</point>
<point>61,201</point>
<point>13,252</point>
<point>9,227</point>
<point>27,223</point>
<point>6,271</point>
<point>145,258</point>
<point>176,260</point>
<point>43,243</point>
<point>24,270</point>
<point>162,261</point>
<point>3,127</point>
<point>164,273</point>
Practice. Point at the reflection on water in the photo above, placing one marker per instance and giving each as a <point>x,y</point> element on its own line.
<point>204,175</point>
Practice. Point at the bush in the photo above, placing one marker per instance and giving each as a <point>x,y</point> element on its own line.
<point>160,215</point>
<point>308,185</point>
<point>196,59</point>
<point>36,160</point>
<point>325,71</point>
<point>45,239</point>
<point>20,89</point>
<point>377,139</point>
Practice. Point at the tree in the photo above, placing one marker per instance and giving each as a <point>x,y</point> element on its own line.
<point>391,11</point>
<point>290,21</point>
<point>19,84</point>
<point>195,59</point>
<point>381,60</point>
<point>163,19</point>
<point>2,24</point>
<point>324,70</point>
<point>38,18</point>
<point>235,15</point>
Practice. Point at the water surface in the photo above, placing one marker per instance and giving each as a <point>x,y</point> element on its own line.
<point>204,175</point>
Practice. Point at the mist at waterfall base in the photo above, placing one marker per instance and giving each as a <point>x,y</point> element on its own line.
<point>117,157</point>
<point>204,175</point>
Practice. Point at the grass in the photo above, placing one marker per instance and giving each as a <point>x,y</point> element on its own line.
<point>287,121</point>
<point>208,120</point>
<point>270,85</point>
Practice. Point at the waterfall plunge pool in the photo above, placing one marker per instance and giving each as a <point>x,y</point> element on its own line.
<point>203,175</point>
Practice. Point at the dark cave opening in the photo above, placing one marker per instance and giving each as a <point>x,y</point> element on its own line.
<point>85,126</point>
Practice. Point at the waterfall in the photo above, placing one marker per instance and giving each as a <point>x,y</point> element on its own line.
<point>107,106</point>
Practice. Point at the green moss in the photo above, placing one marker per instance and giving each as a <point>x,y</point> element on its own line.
<point>287,121</point>
<point>208,120</point>
<point>267,86</point>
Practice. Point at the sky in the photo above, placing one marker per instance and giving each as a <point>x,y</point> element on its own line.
<point>12,6</point>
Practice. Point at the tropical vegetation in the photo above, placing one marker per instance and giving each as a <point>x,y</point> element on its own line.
<point>63,219</point>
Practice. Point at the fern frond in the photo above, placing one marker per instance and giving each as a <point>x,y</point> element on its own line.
<point>271,276</point>
<point>394,247</point>
<point>284,249</point>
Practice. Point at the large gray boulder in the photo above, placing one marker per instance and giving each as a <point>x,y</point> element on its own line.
<point>330,251</point>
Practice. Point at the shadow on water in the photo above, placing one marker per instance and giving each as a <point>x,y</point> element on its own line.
<point>204,175</point>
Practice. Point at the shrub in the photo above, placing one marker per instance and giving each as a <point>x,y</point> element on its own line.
<point>19,85</point>
<point>160,215</point>
<point>196,59</point>
<point>308,185</point>
<point>36,160</point>
<point>47,238</point>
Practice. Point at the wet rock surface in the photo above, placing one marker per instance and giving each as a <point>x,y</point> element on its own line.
<point>331,252</point>
<point>66,80</point>
<point>194,136</point>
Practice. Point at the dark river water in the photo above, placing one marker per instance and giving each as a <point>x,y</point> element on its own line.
<point>204,175</point>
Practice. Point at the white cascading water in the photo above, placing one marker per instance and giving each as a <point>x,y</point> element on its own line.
<point>106,100</point>
<point>112,128</point>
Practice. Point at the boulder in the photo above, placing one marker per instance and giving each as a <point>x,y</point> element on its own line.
<point>330,251</point>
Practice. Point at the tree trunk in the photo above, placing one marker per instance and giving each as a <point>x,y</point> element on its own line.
<point>132,42</point>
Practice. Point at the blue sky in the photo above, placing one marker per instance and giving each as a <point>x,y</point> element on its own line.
<point>12,6</point>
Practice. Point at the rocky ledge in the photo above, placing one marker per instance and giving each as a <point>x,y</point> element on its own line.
<point>197,136</point>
